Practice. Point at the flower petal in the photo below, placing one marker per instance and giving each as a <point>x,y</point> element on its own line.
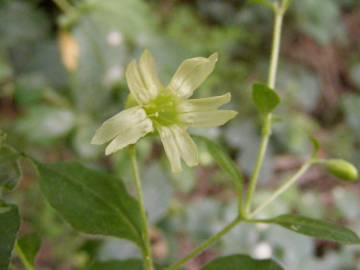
<point>204,104</point>
<point>191,73</point>
<point>130,135</point>
<point>149,74</point>
<point>171,148</point>
<point>119,122</point>
<point>186,146</point>
<point>207,119</point>
<point>136,83</point>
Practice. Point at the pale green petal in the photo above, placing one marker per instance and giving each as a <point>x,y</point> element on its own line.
<point>149,74</point>
<point>204,104</point>
<point>186,146</point>
<point>136,84</point>
<point>130,135</point>
<point>207,119</point>
<point>171,149</point>
<point>116,124</point>
<point>191,74</point>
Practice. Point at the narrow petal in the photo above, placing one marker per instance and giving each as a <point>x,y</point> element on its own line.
<point>136,83</point>
<point>149,74</point>
<point>171,149</point>
<point>121,121</point>
<point>130,135</point>
<point>207,119</point>
<point>191,74</point>
<point>186,146</point>
<point>204,104</point>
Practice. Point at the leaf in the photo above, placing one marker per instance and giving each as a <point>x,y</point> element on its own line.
<point>224,161</point>
<point>91,201</point>
<point>265,98</point>
<point>10,171</point>
<point>9,226</point>
<point>241,262</point>
<point>315,145</point>
<point>132,264</point>
<point>29,246</point>
<point>316,228</point>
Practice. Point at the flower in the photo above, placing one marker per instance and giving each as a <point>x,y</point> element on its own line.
<point>166,110</point>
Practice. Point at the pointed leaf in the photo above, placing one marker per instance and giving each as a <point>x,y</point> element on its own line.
<point>9,226</point>
<point>315,144</point>
<point>224,161</point>
<point>29,245</point>
<point>241,262</point>
<point>316,228</point>
<point>133,264</point>
<point>91,201</point>
<point>265,98</point>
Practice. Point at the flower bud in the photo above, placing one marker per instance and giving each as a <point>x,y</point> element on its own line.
<point>342,169</point>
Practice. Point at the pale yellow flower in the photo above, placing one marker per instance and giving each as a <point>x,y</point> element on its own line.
<point>165,109</point>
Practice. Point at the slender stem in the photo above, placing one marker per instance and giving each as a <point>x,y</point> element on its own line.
<point>211,241</point>
<point>279,16</point>
<point>259,162</point>
<point>63,5</point>
<point>267,121</point>
<point>21,255</point>
<point>284,187</point>
<point>148,261</point>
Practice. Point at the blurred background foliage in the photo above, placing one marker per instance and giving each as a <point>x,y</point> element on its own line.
<point>62,74</point>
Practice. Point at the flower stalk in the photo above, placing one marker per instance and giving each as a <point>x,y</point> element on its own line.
<point>147,254</point>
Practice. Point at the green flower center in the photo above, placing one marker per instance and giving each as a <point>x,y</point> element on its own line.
<point>163,109</point>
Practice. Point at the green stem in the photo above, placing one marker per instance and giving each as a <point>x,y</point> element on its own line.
<point>63,5</point>
<point>148,261</point>
<point>211,241</point>
<point>22,257</point>
<point>283,187</point>
<point>267,121</point>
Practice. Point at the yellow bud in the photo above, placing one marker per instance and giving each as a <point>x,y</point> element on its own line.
<point>70,50</point>
<point>342,169</point>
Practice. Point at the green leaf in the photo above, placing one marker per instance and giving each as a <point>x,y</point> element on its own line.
<point>91,201</point>
<point>9,226</point>
<point>224,161</point>
<point>132,264</point>
<point>265,98</point>
<point>10,171</point>
<point>28,246</point>
<point>315,145</point>
<point>316,228</point>
<point>241,262</point>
